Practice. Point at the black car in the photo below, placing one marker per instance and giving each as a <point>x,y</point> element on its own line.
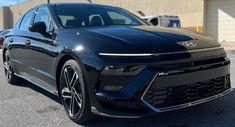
<point>104,60</point>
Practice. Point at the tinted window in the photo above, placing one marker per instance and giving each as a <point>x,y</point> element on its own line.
<point>17,25</point>
<point>154,21</point>
<point>63,19</point>
<point>91,18</point>
<point>118,18</point>
<point>24,25</point>
<point>70,16</point>
<point>42,16</point>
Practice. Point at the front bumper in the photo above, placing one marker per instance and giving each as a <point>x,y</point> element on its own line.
<point>182,96</point>
<point>159,90</point>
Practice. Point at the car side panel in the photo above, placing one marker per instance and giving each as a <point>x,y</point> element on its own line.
<point>44,53</point>
<point>17,49</point>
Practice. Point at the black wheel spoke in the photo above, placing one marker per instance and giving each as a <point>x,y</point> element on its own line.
<point>77,96</point>
<point>78,99</point>
<point>73,80</point>
<point>66,78</point>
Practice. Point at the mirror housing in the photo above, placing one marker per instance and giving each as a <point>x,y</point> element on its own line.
<point>39,27</point>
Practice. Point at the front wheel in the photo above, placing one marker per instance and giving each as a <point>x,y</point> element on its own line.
<point>74,93</point>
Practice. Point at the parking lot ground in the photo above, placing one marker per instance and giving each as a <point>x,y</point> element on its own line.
<point>26,105</point>
<point>229,46</point>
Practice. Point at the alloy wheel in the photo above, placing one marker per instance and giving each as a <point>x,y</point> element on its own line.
<point>8,66</point>
<point>71,91</point>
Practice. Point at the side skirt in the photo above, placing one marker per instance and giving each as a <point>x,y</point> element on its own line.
<point>39,83</point>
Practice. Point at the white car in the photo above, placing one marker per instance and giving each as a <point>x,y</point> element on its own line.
<point>164,21</point>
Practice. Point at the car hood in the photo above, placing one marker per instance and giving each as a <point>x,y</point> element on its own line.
<point>145,39</point>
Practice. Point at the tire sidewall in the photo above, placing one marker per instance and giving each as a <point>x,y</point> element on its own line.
<point>85,108</point>
<point>11,79</point>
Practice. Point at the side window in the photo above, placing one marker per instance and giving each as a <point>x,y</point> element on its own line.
<point>17,25</point>
<point>42,16</point>
<point>119,19</point>
<point>96,18</point>
<point>65,19</point>
<point>24,25</point>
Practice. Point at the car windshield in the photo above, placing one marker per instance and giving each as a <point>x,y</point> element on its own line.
<point>75,16</point>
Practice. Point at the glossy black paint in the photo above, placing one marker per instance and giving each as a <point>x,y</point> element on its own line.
<point>39,27</point>
<point>39,56</point>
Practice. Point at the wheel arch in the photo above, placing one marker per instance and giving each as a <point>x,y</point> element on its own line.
<point>59,67</point>
<point>63,59</point>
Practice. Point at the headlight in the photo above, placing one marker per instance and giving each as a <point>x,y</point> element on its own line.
<point>114,78</point>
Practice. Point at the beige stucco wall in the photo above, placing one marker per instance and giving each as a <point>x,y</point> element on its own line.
<point>1,18</point>
<point>19,10</point>
<point>5,19</point>
<point>190,11</point>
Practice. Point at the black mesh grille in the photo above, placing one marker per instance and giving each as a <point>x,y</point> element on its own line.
<point>172,96</point>
<point>114,81</point>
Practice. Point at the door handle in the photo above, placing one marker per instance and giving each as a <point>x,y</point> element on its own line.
<point>28,42</point>
<point>11,40</point>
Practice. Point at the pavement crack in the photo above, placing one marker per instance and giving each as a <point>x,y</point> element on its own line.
<point>48,109</point>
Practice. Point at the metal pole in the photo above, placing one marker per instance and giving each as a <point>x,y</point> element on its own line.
<point>48,1</point>
<point>90,1</point>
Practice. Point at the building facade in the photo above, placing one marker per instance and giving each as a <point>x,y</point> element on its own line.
<point>213,17</point>
<point>190,11</point>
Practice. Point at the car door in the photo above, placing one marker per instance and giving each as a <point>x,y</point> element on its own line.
<point>17,43</point>
<point>44,51</point>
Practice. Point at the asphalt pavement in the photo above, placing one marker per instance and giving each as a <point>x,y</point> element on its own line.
<point>26,105</point>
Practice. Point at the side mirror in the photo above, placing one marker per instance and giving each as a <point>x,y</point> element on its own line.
<point>39,27</point>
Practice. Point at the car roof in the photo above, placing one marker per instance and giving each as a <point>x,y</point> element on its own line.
<point>148,17</point>
<point>81,4</point>
<point>161,16</point>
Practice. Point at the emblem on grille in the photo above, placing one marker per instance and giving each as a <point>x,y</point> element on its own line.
<point>190,44</point>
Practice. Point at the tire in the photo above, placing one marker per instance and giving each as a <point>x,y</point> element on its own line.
<point>9,70</point>
<point>74,91</point>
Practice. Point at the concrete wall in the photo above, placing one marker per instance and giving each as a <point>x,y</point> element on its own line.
<point>190,11</point>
